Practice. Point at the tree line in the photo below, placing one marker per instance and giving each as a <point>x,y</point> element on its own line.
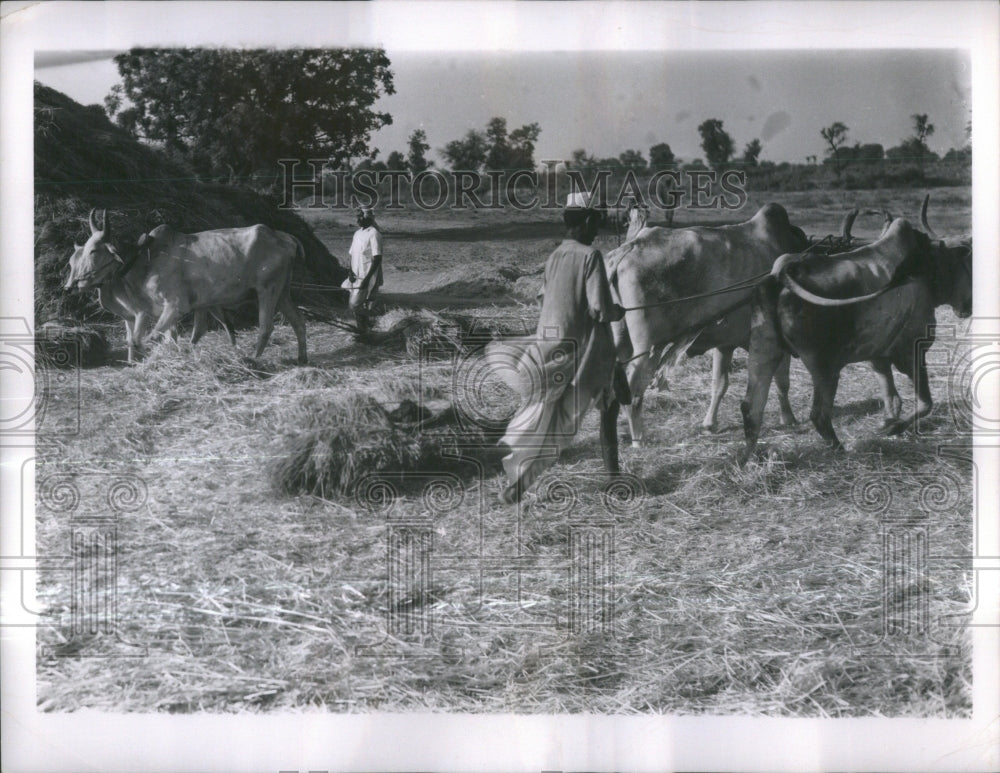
<point>231,114</point>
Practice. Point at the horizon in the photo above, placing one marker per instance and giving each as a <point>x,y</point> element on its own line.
<point>781,97</point>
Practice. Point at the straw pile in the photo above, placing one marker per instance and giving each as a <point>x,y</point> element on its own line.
<point>70,346</point>
<point>332,442</point>
<point>422,331</point>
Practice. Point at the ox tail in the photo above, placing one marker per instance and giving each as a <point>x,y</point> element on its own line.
<point>300,251</point>
<point>819,300</point>
<point>676,349</point>
<point>764,302</point>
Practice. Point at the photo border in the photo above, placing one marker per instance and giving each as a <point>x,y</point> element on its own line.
<point>311,741</point>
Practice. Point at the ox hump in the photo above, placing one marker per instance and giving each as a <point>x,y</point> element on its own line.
<point>772,214</point>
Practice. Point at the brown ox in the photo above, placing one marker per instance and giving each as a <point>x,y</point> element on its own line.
<point>661,265</point>
<point>873,303</point>
<point>175,273</point>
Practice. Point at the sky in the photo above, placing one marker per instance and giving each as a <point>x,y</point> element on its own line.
<point>606,102</point>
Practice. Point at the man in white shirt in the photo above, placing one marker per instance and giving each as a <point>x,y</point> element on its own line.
<point>366,267</point>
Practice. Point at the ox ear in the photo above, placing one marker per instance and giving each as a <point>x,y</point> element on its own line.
<point>143,241</point>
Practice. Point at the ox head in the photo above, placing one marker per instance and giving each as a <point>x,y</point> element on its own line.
<point>636,215</point>
<point>952,268</point>
<point>94,262</point>
<point>953,275</point>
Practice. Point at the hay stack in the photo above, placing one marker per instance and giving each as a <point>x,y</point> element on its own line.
<point>68,346</point>
<point>331,444</point>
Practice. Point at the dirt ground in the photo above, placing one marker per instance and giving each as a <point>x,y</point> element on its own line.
<point>697,586</point>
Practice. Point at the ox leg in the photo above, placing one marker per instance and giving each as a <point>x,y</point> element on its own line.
<point>228,326</point>
<point>130,340</point>
<point>722,360</point>
<point>781,379</point>
<point>917,370</point>
<point>138,331</point>
<point>200,325</point>
<point>168,318</point>
<point>267,303</point>
<point>609,436</point>
<point>825,380</point>
<point>763,360</point>
<point>291,312</point>
<point>765,353</point>
<point>638,380</point>
<point>891,404</point>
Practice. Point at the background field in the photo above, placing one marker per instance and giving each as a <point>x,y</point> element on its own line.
<point>756,590</point>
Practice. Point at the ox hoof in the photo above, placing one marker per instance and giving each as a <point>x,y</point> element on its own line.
<point>744,456</point>
<point>512,494</point>
<point>636,444</point>
<point>709,429</point>
<point>894,427</point>
<point>792,422</point>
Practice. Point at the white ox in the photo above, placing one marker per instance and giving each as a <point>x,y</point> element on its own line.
<point>176,273</point>
<point>660,265</point>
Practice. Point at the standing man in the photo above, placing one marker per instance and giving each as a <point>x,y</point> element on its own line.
<point>366,267</point>
<point>570,364</point>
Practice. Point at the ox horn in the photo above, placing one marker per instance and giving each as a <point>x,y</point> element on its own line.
<point>848,224</point>
<point>923,217</point>
<point>93,223</point>
<point>886,220</point>
<point>105,223</point>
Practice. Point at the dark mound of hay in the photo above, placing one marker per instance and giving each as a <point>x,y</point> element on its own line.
<point>62,346</point>
<point>83,161</point>
<point>333,445</point>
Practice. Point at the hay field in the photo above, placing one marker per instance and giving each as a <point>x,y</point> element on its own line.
<point>694,587</point>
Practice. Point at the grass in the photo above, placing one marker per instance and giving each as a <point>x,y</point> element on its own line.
<point>746,591</point>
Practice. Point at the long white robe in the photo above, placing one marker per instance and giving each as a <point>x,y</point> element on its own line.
<point>566,368</point>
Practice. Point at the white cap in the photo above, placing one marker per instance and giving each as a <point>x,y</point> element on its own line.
<point>579,200</point>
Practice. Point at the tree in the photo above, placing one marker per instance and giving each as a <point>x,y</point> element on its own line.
<point>580,159</point>
<point>751,152</point>
<point>370,163</point>
<point>910,149</point>
<point>396,162</point>
<point>632,159</point>
<point>661,157</point>
<point>418,146</point>
<point>716,142</point>
<point>222,109</point>
<point>922,128</point>
<point>835,135</point>
<point>498,153</point>
<point>522,146</point>
<point>468,153</point>
<point>869,153</point>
